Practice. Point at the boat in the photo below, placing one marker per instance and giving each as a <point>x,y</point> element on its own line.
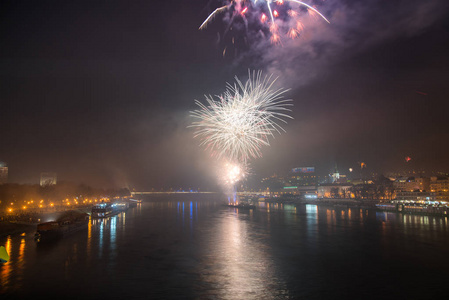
<point>119,206</point>
<point>134,202</point>
<point>241,205</point>
<point>243,202</point>
<point>102,210</point>
<point>68,223</point>
<point>107,209</point>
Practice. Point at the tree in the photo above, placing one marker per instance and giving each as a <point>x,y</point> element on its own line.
<point>335,192</point>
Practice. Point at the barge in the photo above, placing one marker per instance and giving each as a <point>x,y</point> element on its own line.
<point>70,222</point>
<point>107,209</point>
<point>102,210</point>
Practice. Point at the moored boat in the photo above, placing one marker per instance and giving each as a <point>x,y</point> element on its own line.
<point>242,205</point>
<point>67,224</point>
<point>102,210</point>
<point>120,206</point>
<point>133,202</point>
<point>247,202</point>
<point>107,209</point>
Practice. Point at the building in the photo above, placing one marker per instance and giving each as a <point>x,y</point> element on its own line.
<point>3,173</point>
<point>334,190</point>
<point>414,197</point>
<point>411,184</point>
<point>48,179</point>
<point>304,191</point>
<point>300,181</point>
<point>424,183</point>
<point>302,176</point>
<point>439,186</point>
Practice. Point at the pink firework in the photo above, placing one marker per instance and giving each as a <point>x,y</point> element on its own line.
<point>269,11</point>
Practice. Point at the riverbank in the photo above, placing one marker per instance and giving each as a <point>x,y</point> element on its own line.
<point>25,222</point>
<point>324,201</point>
<point>422,210</point>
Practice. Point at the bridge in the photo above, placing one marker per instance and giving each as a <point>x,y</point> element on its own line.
<point>167,193</point>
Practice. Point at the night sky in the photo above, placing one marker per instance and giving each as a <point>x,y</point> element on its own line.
<point>100,91</point>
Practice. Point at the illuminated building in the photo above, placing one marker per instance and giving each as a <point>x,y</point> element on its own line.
<point>335,176</point>
<point>300,181</point>
<point>3,173</point>
<point>414,190</point>
<point>48,179</point>
<point>414,197</point>
<point>302,176</point>
<point>410,184</point>
<point>439,186</point>
<point>334,190</point>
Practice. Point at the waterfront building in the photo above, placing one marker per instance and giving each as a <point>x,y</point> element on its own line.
<point>3,173</point>
<point>302,176</point>
<point>410,184</point>
<point>300,181</point>
<point>334,190</point>
<point>439,186</point>
<point>414,196</point>
<point>296,190</point>
<point>423,182</point>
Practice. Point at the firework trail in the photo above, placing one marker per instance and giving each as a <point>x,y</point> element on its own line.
<point>238,123</point>
<point>212,15</point>
<point>241,7</point>
<point>236,5</point>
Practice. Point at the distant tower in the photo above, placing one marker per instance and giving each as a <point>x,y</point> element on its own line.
<point>3,173</point>
<point>335,175</point>
<point>48,179</point>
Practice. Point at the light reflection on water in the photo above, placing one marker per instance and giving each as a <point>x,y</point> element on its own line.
<point>237,261</point>
<point>200,249</point>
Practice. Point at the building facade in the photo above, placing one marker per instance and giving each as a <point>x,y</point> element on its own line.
<point>439,186</point>
<point>302,176</point>
<point>411,184</point>
<point>334,190</point>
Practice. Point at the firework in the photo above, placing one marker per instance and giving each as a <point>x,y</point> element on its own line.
<point>235,5</point>
<point>238,123</point>
<point>262,8</point>
<point>233,172</point>
<point>212,15</point>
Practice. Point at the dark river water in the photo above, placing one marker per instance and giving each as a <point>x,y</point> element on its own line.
<point>192,247</point>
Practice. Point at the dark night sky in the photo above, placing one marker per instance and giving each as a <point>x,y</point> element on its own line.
<point>100,91</point>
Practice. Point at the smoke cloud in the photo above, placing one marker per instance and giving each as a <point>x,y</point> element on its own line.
<point>355,27</point>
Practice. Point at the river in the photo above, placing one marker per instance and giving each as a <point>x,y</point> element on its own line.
<point>193,247</point>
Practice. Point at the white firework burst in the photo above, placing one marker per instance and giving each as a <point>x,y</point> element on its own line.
<point>239,122</point>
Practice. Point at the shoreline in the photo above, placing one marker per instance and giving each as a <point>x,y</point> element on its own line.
<point>9,228</point>
<point>12,225</point>
<point>363,204</point>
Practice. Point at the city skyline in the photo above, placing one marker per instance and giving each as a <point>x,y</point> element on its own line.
<point>101,93</point>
